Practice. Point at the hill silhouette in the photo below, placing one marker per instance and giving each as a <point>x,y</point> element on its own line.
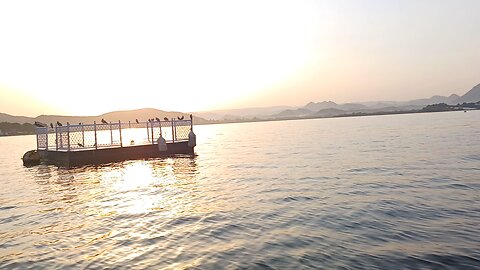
<point>330,108</point>
<point>129,115</point>
<point>471,96</point>
<point>312,109</point>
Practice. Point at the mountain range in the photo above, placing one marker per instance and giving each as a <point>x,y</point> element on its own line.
<point>330,108</point>
<point>312,109</point>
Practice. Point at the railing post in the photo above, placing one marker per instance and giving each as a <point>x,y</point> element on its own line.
<point>46,140</point>
<point>83,135</point>
<point>111,134</point>
<point>148,132</point>
<point>175,124</point>
<point>120,131</point>
<point>56,138</point>
<point>173,132</point>
<point>153,140</point>
<point>95,131</point>
<point>68,137</point>
<point>36,133</point>
<point>61,138</point>
<point>129,126</point>
<point>160,127</point>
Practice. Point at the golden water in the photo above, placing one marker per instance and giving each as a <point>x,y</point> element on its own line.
<point>399,191</point>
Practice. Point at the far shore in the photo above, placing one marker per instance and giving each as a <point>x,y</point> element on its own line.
<point>252,120</point>
<point>333,116</point>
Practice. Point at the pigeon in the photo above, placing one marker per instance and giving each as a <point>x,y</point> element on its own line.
<point>80,123</point>
<point>103,121</point>
<point>158,119</point>
<point>180,118</point>
<point>68,124</point>
<point>136,120</point>
<point>165,118</point>
<point>59,124</point>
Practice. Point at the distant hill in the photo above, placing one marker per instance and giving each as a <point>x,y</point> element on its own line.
<point>434,100</point>
<point>242,113</point>
<point>145,114</point>
<point>415,103</point>
<point>471,96</point>
<point>312,109</point>
<point>327,109</point>
<point>315,107</point>
<point>15,119</point>
<point>124,116</point>
<point>329,112</point>
<point>293,113</point>
<point>330,108</point>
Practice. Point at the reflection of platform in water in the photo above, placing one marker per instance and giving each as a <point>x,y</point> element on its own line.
<point>77,145</point>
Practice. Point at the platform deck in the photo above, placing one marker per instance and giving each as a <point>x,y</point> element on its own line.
<point>112,154</point>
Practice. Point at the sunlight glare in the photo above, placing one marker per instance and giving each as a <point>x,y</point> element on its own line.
<point>200,59</point>
<point>136,175</point>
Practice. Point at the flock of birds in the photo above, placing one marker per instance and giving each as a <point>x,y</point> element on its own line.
<point>39,124</point>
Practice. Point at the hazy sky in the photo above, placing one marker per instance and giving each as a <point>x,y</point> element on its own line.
<point>91,57</point>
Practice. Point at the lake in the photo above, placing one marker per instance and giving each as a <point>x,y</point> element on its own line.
<point>377,192</point>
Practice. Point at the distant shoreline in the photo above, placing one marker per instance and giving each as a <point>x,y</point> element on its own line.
<point>254,120</point>
<point>334,116</point>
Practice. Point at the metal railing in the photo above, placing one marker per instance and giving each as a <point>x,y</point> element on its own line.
<point>114,134</point>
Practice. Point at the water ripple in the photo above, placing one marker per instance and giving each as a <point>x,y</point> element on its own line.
<point>359,193</point>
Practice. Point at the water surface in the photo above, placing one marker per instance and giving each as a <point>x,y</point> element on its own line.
<point>396,191</point>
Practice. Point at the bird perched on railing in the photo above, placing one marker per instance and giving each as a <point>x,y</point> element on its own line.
<point>59,124</point>
<point>158,119</point>
<point>68,124</point>
<point>80,123</point>
<point>103,121</point>
<point>136,120</point>
<point>180,117</point>
<point>165,118</point>
<point>39,124</point>
<point>51,125</point>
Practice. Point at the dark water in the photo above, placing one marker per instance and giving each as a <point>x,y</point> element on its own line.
<point>383,192</point>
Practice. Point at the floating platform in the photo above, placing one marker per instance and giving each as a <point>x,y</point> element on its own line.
<point>112,154</point>
<point>91,144</point>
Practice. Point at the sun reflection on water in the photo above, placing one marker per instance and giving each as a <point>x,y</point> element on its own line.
<point>144,186</point>
<point>120,209</point>
<point>135,175</point>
